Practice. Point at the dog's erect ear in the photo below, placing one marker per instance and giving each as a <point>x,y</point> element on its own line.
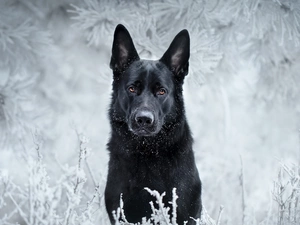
<point>123,50</point>
<point>178,54</point>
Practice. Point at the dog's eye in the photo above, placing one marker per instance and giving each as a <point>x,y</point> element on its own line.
<point>132,89</point>
<point>161,91</point>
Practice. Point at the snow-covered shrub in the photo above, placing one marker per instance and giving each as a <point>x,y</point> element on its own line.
<point>242,98</point>
<point>66,201</point>
<point>286,193</point>
<point>162,214</point>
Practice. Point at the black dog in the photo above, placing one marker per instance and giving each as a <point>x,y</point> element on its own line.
<point>151,143</point>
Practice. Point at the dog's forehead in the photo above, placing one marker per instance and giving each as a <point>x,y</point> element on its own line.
<point>150,70</point>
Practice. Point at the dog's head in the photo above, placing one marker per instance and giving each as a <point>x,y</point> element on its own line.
<point>146,93</point>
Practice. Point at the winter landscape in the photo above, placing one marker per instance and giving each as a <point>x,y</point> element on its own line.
<point>242,99</point>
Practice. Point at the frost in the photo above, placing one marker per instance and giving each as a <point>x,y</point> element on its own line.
<point>242,97</point>
<point>41,202</point>
<point>161,214</point>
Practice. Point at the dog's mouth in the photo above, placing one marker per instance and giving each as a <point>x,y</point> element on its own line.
<point>139,130</point>
<point>143,132</point>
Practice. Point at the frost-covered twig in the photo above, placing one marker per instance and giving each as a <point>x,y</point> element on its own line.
<point>286,193</point>
<point>299,148</point>
<point>22,214</point>
<point>206,219</point>
<point>74,198</point>
<point>242,190</point>
<point>220,215</point>
<point>82,142</point>
<point>162,211</point>
<point>174,206</point>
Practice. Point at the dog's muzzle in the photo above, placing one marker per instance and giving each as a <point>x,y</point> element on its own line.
<point>143,123</point>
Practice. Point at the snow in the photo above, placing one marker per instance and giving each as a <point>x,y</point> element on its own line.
<point>241,96</point>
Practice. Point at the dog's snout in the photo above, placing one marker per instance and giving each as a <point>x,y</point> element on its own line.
<point>143,122</point>
<point>144,118</point>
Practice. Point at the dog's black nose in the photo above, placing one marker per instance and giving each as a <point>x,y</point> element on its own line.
<point>144,118</point>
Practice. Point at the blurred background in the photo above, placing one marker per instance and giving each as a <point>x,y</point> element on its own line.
<point>242,98</point>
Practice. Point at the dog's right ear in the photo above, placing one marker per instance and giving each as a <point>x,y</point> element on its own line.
<point>123,50</point>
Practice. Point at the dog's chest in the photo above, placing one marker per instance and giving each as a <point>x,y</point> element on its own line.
<point>149,172</point>
<point>147,168</point>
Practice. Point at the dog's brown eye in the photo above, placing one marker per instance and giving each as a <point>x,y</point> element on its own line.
<point>161,91</point>
<point>131,89</point>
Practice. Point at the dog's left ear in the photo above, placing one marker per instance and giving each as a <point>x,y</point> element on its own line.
<point>178,54</point>
<point>123,50</point>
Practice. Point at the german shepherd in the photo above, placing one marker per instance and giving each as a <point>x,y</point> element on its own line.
<point>150,143</point>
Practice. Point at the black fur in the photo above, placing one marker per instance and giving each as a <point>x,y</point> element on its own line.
<point>151,143</point>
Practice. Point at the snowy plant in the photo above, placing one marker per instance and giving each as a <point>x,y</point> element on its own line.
<point>162,214</point>
<point>242,98</point>
<point>286,193</point>
<point>39,202</point>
